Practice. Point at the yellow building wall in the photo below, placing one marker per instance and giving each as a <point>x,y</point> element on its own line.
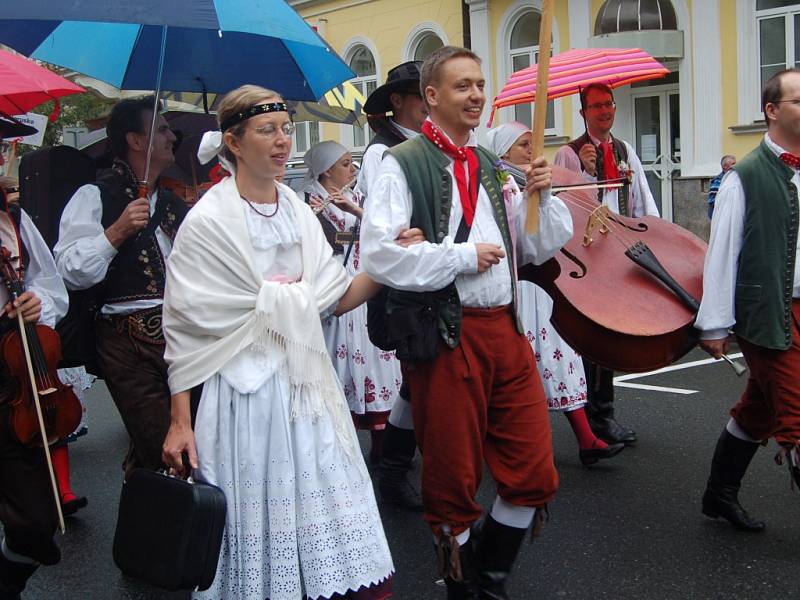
<point>387,24</point>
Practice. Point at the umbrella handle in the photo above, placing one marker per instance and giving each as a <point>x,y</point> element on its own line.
<point>540,107</point>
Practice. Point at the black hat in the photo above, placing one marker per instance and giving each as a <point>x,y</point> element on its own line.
<point>402,77</point>
<point>11,127</point>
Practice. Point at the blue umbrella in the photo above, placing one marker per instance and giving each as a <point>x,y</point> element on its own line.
<point>208,45</point>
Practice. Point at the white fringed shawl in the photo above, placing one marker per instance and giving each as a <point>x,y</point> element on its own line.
<point>216,304</point>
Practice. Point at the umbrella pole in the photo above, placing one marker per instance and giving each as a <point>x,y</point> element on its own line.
<point>540,107</point>
<point>144,182</point>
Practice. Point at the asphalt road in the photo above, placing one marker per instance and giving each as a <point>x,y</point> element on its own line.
<point>627,528</point>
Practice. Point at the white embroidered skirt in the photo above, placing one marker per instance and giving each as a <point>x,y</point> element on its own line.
<point>369,376</point>
<point>559,365</point>
<point>302,518</point>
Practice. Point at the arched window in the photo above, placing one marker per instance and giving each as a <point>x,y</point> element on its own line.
<point>524,52</point>
<point>427,44</point>
<point>363,64</point>
<point>778,36</point>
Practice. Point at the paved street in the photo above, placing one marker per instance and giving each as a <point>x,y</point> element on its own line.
<point>629,528</point>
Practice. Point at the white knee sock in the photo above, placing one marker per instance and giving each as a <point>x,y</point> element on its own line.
<point>733,428</point>
<point>400,416</point>
<point>511,515</point>
<point>462,538</point>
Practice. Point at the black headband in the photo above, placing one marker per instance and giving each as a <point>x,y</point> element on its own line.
<point>258,109</point>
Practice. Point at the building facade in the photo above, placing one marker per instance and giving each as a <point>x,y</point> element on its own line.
<point>718,51</point>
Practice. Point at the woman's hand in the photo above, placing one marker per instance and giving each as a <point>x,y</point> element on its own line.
<point>344,204</point>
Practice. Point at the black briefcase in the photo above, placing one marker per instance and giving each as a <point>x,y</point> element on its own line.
<point>169,530</point>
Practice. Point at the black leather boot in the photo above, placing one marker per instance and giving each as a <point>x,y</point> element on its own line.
<point>13,577</point>
<point>732,456</point>
<point>457,567</point>
<point>497,546</point>
<point>399,447</point>
<point>600,406</point>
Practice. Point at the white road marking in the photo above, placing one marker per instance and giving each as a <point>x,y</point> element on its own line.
<point>621,381</point>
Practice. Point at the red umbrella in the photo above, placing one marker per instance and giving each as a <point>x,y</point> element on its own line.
<point>575,69</point>
<point>25,85</point>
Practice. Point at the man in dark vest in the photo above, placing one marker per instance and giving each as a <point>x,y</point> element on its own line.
<point>27,505</point>
<point>113,238</point>
<point>396,113</point>
<point>751,285</point>
<point>475,391</point>
<point>597,156</point>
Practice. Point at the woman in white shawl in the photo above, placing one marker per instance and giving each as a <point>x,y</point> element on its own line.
<point>249,276</point>
<point>370,376</point>
<point>559,365</point>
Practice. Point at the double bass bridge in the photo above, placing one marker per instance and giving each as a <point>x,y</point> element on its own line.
<point>598,221</point>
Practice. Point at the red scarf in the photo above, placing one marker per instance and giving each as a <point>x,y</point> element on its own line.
<point>610,170</point>
<point>469,197</point>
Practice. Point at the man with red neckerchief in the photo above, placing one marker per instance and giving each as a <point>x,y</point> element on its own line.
<point>479,398</point>
<point>751,285</point>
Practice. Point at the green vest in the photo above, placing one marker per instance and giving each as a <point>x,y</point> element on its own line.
<point>431,187</point>
<point>765,275</point>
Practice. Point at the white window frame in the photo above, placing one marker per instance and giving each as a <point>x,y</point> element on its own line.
<point>507,22</point>
<point>350,48</point>
<point>749,55</point>
<point>418,33</point>
<point>307,126</point>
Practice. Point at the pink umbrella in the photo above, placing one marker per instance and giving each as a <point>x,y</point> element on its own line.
<point>575,69</point>
<point>25,85</point>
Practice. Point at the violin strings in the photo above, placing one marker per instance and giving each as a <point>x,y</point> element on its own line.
<point>617,231</point>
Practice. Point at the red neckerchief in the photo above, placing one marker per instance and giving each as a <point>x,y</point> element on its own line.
<point>610,170</point>
<point>468,197</point>
<point>791,160</point>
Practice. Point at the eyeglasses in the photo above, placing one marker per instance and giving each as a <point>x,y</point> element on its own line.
<point>270,130</point>
<point>600,105</point>
<point>795,101</point>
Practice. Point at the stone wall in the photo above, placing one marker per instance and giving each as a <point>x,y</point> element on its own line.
<point>689,205</point>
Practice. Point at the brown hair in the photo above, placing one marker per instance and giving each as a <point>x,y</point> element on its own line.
<point>236,101</point>
<point>600,87</point>
<point>772,91</point>
<point>431,68</point>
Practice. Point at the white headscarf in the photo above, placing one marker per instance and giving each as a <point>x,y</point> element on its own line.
<point>211,145</point>
<point>321,157</point>
<point>503,137</point>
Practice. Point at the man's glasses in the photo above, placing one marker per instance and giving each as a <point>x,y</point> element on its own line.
<point>795,101</point>
<point>600,105</point>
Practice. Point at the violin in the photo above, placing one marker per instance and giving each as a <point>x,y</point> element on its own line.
<point>624,289</point>
<point>31,355</point>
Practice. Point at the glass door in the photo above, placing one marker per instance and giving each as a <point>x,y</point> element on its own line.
<point>658,144</point>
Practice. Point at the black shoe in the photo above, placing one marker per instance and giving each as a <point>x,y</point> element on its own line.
<point>72,506</point>
<point>13,577</point>
<point>590,456</point>
<point>731,458</point>
<point>496,550</point>
<point>725,504</point>
<point>611,432</point>
<point>399,447</point>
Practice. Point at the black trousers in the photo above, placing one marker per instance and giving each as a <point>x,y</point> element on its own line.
<point>136,376</point>
<point>27,506</point>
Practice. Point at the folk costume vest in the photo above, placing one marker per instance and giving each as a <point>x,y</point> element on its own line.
<point>765,277</point>
<point>620,155</point>
<point>138,271</point>
<point>431,187</point>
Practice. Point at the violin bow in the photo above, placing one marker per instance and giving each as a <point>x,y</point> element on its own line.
<point>35,391</point>
<point>540,107</point>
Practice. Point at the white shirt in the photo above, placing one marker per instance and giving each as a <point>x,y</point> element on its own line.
<point>717,309</point>
<point>372,159</point>
<point>41,277</point>
<point>83,251</point>
<point>642,202</point>
<point>428,266</point>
